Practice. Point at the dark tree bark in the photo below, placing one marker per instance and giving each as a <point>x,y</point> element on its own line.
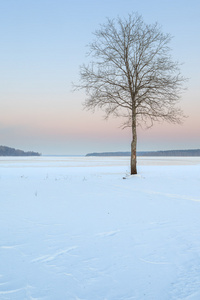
<point>134,148</point>
<point>132,76</point>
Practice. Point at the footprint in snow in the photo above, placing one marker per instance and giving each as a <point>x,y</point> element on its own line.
<point>108,233</point>
<point>49,257</point>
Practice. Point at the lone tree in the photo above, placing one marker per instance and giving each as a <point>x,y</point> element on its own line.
<point>132,75</point>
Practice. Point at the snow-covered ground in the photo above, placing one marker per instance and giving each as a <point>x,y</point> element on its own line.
<point>74,229</point>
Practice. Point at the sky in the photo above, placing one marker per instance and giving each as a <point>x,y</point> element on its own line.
<point>43,44</point>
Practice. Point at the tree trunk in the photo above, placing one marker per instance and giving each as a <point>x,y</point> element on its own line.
<point>133,148</point>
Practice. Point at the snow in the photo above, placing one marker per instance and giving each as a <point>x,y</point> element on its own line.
<point>71,228</point>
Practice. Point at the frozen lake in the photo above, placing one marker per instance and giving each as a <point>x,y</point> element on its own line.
<point>82,161</point>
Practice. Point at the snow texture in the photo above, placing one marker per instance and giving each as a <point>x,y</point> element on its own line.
<point>82,229</point>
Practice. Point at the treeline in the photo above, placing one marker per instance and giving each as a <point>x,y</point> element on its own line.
<point>7,151</point>
<point>109,154</point>
<point>192,152</point>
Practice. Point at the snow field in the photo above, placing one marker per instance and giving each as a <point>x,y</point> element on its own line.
<point>73,228</point>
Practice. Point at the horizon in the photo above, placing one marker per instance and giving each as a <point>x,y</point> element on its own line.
<point>102,152</point>
<point>43,45</point>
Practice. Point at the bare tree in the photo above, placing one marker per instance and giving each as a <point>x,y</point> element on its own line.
<point>132,75</point>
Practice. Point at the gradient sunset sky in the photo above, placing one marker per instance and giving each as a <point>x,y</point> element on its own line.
<point>43,43</point>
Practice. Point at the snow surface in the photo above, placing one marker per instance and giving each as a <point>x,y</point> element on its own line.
<point>71,228</point>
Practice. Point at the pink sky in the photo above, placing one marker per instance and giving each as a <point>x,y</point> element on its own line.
<point>67,129</point>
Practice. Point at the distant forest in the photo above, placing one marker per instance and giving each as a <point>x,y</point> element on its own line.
<point>192,152</point>
<point>7,151</point>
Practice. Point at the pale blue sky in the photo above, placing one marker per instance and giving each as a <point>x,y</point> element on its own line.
<point>43,43</point>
